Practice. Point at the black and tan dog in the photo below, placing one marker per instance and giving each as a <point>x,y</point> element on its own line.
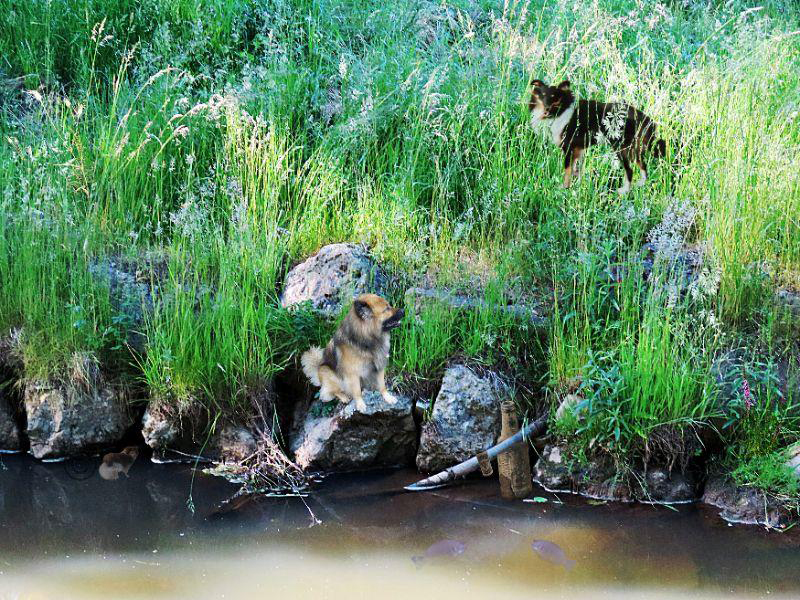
<point>357,355</point>
<point>577,124</point>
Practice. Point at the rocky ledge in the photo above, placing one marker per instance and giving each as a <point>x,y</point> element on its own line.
<point>10,439</point>
<point>75,415</point>
<point>745,505</point>
<point>339,437</point>
<point>177,438</point>
<point>601,480</point>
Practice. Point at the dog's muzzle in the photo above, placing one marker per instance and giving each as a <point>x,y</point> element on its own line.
<point>394,321</point>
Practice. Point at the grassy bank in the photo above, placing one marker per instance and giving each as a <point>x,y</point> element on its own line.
<point>235,137</point>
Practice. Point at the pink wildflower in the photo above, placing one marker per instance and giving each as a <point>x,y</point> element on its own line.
<point>748,399</point>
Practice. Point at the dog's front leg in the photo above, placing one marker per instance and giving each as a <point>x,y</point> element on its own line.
<point>567,167</point>
<point>577,160</point>
<point>354,387</point>
<point>387,395</point>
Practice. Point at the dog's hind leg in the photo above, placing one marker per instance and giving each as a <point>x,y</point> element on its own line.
<point>626,184</point>
<point>330,387</point>
<point>568,167</point>
<point>577,161</point>
<point>326,394</point>
<point>642,170</point>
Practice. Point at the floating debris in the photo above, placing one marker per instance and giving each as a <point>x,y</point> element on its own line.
<point>536,500</point>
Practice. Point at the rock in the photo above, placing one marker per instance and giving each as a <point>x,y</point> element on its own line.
<point>234,443</point>
<point>187,432</point>
<point>9,431</point>
<point>163,432</point>
<point>11,350</point>
<point>661,486</point>
<point>569,405</point>
<point>793,459</point>
<point>601,480</point>
<point>419,297</point>
<point>551,470</point>
<point>744,505</point>
<point>134,285</point>
<point>790,300</point>
<point>180,438</point>
<point>682,268</point>
<point>465,419</point>
<point>82,413</point>
<point>598,480</point>
<point>349,440</point>
<point>332,276</point>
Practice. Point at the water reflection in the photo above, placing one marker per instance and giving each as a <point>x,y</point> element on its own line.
<point>115,464</point>
<point>353,536</point>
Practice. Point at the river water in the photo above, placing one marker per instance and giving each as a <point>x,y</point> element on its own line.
<point>66,533</point>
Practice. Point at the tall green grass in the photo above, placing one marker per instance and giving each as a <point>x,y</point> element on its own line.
<point>237,137</point>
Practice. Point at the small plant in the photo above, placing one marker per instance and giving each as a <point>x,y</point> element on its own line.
<point>767,472</point>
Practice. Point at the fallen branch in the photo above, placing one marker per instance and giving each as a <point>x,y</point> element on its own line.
<point>448,476</point>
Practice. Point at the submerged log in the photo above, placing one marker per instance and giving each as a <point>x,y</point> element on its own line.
<point>449,475</point>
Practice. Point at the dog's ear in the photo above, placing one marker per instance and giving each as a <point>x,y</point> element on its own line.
<point>564,85</point>
<point>363,311</point>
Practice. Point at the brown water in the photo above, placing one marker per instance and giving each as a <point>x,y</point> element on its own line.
<point>67,533</point>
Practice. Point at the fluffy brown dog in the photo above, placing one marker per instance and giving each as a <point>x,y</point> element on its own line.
<point>356,357</point>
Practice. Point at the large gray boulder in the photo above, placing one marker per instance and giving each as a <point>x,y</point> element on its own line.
<point>338,437</point>
<point>9,432</point>
<point>465,419</point>
<point>333,276</point>
<point>79,413</point>
<point>178,438</point>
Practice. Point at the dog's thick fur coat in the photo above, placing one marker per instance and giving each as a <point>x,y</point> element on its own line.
<point>357,355</point>
<point>577,124</point>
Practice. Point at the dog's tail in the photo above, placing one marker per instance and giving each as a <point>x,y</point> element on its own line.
<point>311,361</point>
<point>659,148</point>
